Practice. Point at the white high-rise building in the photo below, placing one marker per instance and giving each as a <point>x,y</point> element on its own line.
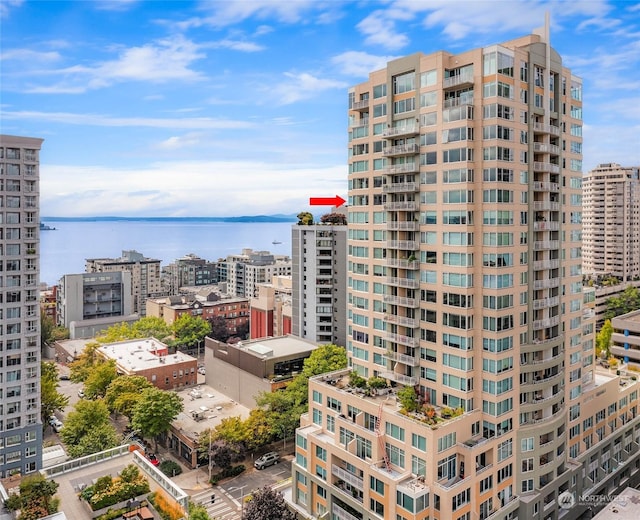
<point>319,276</point>
<point>611,222</point>
<point>20,421</point>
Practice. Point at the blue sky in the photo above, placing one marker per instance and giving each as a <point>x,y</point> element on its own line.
<point>180,108</point>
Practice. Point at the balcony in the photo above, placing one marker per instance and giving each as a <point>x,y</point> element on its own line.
<point>358,123</point>
<point>545,186</point>
<point>546,148</point>
<point>411,167</point>
<point>546,226</point>
<point>545,303</point>
<point>400,187</point>
<point>402,340</point>
<point>402,149</point>
<point>360,105</point>
<point>403,264</point>
<point>539,265</point>
<point>401,206</point>
<point>546,129</point>
<point>543,245</point>
<point>397,131</point>
<point>458,101</point>
<point>546,323</point>
<point>411,361</point>
<point>407,283</point>
<point>342,514</point>
<point>412,303</point>
<point>546,167</point>
<point>407,245</point>
<point>546,205</point>
<point>456,81</point>
<point>347,476</point>
<point>549,283</point>
<point>400,378</point>
<point>412,323</point>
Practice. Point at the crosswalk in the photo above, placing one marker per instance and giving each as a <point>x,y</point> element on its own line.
<point>223,509</point>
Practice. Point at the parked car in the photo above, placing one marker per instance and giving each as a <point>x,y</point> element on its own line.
<point>201,370</point>
<point>268,459</point>
<point>153,459</point>
<point>56,424</point>
<point>64,377</point>
<point>81,393</point>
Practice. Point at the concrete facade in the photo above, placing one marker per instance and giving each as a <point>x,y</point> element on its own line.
<point>319,306</point>
<point>90,296</point>
<point>20,422</point>
<point>145,275</point>
<point>625,340</point>
<point>190,270</point>
<point>611,231</point>
<point>244,369</point>
<point>244,272</point>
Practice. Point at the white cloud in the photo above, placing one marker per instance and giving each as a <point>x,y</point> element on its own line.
<point>235,45</point>
<point>113,5</point>
<point>189,140</point>
<point>29,56</point>
<point>223,14</point>
<point>7,5</point>
<point>164,60</point>
<point>248,188</point>
<point>302,86</point>
<point>360,64</point>
<point>379,28</point>
<point>102,120</point>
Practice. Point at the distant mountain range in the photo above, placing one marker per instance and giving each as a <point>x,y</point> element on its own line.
<point>247,218</point>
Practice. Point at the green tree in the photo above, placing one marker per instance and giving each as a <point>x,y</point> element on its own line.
<point>50,399</point>
<point>257,426</point>
<point>603,339</point>
<point>408,398</point>
<point>82,366</point>
<point>124,392</point>
<point>198,512</point>
<point>267,504</point>
<point>283,409</point>
<point>627,301</point>
<point>46,329</point>
<point>36,498</point>
<point>190,330</point>
<point>154,412</point>
<point>151,327</point>
<point>88,429</point>
<point>117,332</point>
<point>305,218</point>
<point>99,379</point>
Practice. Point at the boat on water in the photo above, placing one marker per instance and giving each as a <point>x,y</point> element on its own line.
<point>45,227</point>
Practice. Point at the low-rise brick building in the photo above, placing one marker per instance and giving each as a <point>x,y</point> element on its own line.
<point>150,358</point>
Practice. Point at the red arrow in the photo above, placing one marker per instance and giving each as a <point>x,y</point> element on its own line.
<point>336,201</point>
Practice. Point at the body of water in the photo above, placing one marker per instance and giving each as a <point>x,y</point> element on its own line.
<point>64,250</point>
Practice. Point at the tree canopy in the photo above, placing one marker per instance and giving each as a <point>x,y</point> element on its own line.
<point>190,330</point>
<point>36,498</point>
<point>603,340</point>
<point>155,411</point>
<point>99,379</point>
<point>51,399</point>
<point>305,218</point>
<point>124,392</point>
<point>334,218</point>
<point>88,429</point>
<point>267,504</point>
<point>627,301</point>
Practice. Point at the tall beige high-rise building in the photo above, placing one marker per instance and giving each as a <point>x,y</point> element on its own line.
<point>611,220</point>
<point>20,421</point>
<point>465,298</point>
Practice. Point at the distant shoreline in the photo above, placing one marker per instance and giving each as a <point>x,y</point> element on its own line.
<point>249,218</point>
